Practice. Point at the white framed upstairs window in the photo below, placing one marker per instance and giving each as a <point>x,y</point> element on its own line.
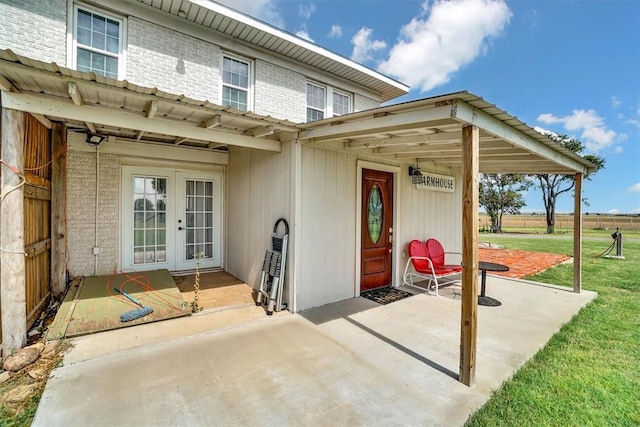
<point>323,102</point>
<point>97,42</point>
<point>236,82</point>
<point>316,102</point>
<point>341,103</point>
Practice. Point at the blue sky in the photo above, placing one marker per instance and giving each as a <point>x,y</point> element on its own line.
<point>570,67</point>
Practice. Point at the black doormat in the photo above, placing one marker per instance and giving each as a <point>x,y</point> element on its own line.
<point>385,295</point>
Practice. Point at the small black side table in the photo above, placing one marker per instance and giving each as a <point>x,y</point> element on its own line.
<point>485,266</point>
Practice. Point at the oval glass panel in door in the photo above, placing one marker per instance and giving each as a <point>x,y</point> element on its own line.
<point>374,213</point>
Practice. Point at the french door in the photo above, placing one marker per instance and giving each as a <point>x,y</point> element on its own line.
<point>171,219</point>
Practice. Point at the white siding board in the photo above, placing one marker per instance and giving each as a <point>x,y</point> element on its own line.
<point>258,194</point>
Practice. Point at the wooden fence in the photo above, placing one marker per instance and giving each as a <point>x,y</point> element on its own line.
<point>565,222</point>
<point>37,216</point>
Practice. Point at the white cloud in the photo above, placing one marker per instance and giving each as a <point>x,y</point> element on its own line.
<point>545,131</point>
<point>618,150</point>
<point>594,133</point>
<point>613,211</point>
<point>635,188</point>
<point>363,45</point>
<point>531,17</point>
<point>265,10</point>
<point>634,122</point>
<point>306,10</point>
<point>430,50</point>
<point>336,32</point>
<point>615,102</point>
<point>304,35</point>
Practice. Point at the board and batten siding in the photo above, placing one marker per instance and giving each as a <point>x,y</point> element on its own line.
<point>327,227</point>
<point>259,192</point>
<point>328,222</point>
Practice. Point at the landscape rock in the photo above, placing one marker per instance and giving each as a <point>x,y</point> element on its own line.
<point>37,373</point>
<point>49,350</point>
<point>20,394</point>
<point>5,376</point>
<point>22,358</point>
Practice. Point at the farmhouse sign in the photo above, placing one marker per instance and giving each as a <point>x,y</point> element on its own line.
<point>435,182</point>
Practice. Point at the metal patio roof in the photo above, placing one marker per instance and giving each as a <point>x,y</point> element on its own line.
<point>88,102</point>
<point>428,132</point>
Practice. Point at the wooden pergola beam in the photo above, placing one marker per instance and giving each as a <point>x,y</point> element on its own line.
<point>213,122</point>
<point>470,198</point>
<point>74,93</point>
<point>124,119</point>
<point>58,206</point>
<point>152,109</point>
<point>12,257</point>
<point>372,126</point>
<point>577,235</point>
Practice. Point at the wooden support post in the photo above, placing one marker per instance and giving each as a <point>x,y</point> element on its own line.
<point>58,217</point>
<point>470,199</point>
<point>12,258</point>
<point>577,235</point>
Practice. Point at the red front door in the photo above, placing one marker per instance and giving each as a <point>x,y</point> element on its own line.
<point>377,229</point>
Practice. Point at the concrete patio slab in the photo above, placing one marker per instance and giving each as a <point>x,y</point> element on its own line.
<point>348,363</point>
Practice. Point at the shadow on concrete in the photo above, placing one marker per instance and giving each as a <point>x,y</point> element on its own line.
<point>404,349</point>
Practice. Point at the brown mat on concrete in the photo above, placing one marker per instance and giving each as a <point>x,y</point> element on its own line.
<point>93,305</point>
<point>217,289</point>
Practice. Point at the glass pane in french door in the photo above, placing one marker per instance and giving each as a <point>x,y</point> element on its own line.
<point>149,219</point>
<point>199,219</point>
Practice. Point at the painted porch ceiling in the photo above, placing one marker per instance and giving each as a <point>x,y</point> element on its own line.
<point>239,26</point>
<point>427,132</point>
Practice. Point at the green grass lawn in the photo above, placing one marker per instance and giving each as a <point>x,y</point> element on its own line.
<point>589,372</point>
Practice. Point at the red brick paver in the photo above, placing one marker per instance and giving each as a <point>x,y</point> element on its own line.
<point>520,263</point>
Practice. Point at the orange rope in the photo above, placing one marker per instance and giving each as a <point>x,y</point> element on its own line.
<point>60,152</point>
<point>144,283</point>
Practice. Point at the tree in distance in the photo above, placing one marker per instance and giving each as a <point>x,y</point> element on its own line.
<point>553,185</point>
<point>500,194</point>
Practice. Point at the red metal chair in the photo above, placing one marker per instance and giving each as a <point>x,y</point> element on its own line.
<point>420,267</point>
<point>437,255</point>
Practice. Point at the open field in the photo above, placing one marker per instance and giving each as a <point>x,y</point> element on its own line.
<point>587,374</point>
<point>564,222</point>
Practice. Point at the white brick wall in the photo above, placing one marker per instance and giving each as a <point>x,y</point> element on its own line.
<point>361,103</point>
<point>279,92</point>
<point>172,61</point>
<point>81,182</point>
<point>35,28</point>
